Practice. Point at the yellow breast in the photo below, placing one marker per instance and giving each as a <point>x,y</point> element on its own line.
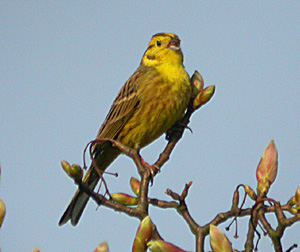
<point>163,99</point>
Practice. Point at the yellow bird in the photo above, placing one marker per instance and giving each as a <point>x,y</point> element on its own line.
<point>152,100</point>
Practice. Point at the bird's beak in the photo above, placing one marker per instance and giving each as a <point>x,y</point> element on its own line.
<point>174,44</point>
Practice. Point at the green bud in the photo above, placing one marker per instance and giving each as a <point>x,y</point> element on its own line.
<point>236,198</point>
<point>292,201</point>
<point>294,211</point>
<point>66,166</point>
<point>135,185</point>
<point>74,171</point>
<point>297,198</point>
<point>2,212</point>
<point>207,94</point>
<point>124,199</point>
<point>197,102</point>
<point>203,97</point>
<point>163,246</point>
<point>143,235</point>
<point>218,241</point>
<point>250,192</point>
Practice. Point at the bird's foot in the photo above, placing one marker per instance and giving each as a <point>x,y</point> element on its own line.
<point>152,169</point>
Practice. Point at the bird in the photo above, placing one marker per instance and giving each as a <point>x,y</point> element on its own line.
<point>150,102</point>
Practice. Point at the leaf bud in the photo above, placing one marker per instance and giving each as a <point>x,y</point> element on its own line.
<point>75,171</point>
<point>267,169</point>
<point>250,192</point>
<point>203,97</point>
<point>218,241</point>
<point>143,235</point>
<point>2,212</point>
<point>207,94</point>
<point>163,246</point>
<point>135,185</point>
<point>124,199</point>
<point>103,247</point>
<point>297,198</point>
<point>197,83</point>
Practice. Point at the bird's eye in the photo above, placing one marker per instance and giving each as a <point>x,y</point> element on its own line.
<point>158,43</point>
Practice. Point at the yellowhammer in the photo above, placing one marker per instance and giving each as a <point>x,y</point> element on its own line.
<point>148,104</point>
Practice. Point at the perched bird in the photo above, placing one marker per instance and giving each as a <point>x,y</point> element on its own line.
<point>152,100</point>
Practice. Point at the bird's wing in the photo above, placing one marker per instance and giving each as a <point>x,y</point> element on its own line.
<point>123,106</point>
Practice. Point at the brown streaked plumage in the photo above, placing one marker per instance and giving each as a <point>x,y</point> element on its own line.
<point>148,104</point>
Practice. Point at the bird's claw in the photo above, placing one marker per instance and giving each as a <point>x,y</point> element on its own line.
<point>152,169</point>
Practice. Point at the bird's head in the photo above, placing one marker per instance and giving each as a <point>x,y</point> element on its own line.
<point>163,48</point>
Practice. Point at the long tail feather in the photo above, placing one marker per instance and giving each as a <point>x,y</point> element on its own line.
<point>76,207</point>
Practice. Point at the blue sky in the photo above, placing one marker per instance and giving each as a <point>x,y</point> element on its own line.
<point>62,64</point>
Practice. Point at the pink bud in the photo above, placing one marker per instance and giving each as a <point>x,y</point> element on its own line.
<point>143,235</point>
<point>197,83</point>
<point>36,250</point>
<point>103,247</point>
<point>163,246</point>
<point>218,241</point>
<point>267,169</point>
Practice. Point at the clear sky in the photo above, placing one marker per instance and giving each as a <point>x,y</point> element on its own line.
<point>62,64</point>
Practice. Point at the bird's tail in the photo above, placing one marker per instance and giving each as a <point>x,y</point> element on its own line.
<point>104,158</point>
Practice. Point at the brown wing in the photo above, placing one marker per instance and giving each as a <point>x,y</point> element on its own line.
<point>123,106</point>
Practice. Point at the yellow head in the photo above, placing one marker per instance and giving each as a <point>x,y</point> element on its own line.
<point>164,48</point>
